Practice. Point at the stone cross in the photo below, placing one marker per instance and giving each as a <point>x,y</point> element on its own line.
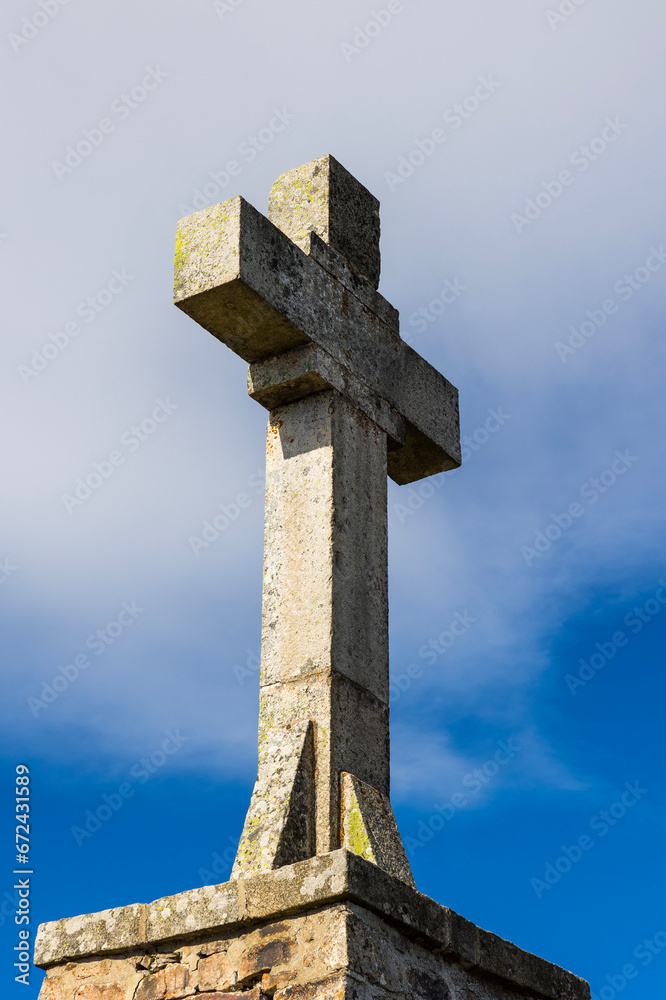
<point>295,296</point>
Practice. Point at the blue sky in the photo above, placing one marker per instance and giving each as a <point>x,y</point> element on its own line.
<point>518,155</point>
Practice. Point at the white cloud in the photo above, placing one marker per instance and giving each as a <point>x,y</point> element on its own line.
<point>462,549</point>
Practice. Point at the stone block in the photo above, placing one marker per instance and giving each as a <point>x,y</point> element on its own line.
<point>307,370</point>
<point>331,926</point>
<point>331,988</point>
<point>377,890</point>
<point>192,911</point>
<point>350,734</point>
<point>277,949</point>
<point>369,828</point>
<point>90,991</point>
<point>349,278</point>
<point>113,978</point>
<point>216,972</point>
<point>152,987</point>
<point>324,198</point>
<point>306,885</point>
<point>90,934</point>
<point>325,596</point>
<point>461,939</point>
<point>178,981</point>
<point>280,824</point>
<point>254,994</point>
<point>243,280</point>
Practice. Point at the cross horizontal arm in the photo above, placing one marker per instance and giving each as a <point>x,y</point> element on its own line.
<point>248,284</point>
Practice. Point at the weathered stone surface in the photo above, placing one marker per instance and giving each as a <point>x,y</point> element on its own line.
<point>325,596</point>
<point>350,731</point>
<point>341,949</point>
<point>325,604</point>
<point>152,987</point>
<point>308,903</point>
<point>254,994</point>
<point>278,950</point>
<point>308,370</point>
<point>349,278</point>
<point>306,885</point>
<point>332,988</point>
<point>350,403</point>
<point>110,979</point>
<point>91,934</point>
<point>370,830</point>
<point>242,279</point>
<point>89,991</point>
<point>53,988</point>
<point>178,981</point>
<point>192,911</point>
<point>324,198</point>
<point>216,972</point>
<point>154,963</point>
<point>280,824</point>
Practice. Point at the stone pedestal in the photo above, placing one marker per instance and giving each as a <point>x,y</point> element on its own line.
<point>333,927</point>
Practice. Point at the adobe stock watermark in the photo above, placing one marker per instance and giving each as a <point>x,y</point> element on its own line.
<point>635,620</point>
<point>625,288</point>
<point>97,642</point>
<point>131,440</point>
<point>473,783</point>
<point>564,11</point>
<point>592,491</point>
<point>480,437</point>
<point>220,865</point>
<point>421,318</point>
<point>212,528</point>
<point>454,117</point>
<point>430,651</point>
<point>142,771</point>
<point>251,666</point>
<point>7,569</point>
<point>87,310</point>
<point>224,7</point>
<point>601,824</point>
<point>36,22</point>
<point>247,151</point>
<point>416,496</point>
<point>121,108</point>
<point>8,907</point>
<point>582,159</point>
<point>645,953</point>
<point>365,34</point>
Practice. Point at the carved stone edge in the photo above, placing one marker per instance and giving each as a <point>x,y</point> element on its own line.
<point>368,828</point>
<point>356,283</point>
<point>279,826</point>
<point>329,878</point>
<point>224,259</point>
<point>306,370</point>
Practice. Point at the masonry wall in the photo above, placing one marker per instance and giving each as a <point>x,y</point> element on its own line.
<point>332,953</point>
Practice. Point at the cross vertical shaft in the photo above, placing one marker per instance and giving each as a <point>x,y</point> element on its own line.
<point>350,403</point>
<point>325,600</point>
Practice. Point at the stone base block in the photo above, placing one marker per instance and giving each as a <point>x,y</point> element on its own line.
<point>334,927</point>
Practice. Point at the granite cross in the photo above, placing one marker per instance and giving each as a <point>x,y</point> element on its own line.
<point>295,296</point>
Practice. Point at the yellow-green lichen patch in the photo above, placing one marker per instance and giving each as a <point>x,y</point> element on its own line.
<point>358,840</point>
